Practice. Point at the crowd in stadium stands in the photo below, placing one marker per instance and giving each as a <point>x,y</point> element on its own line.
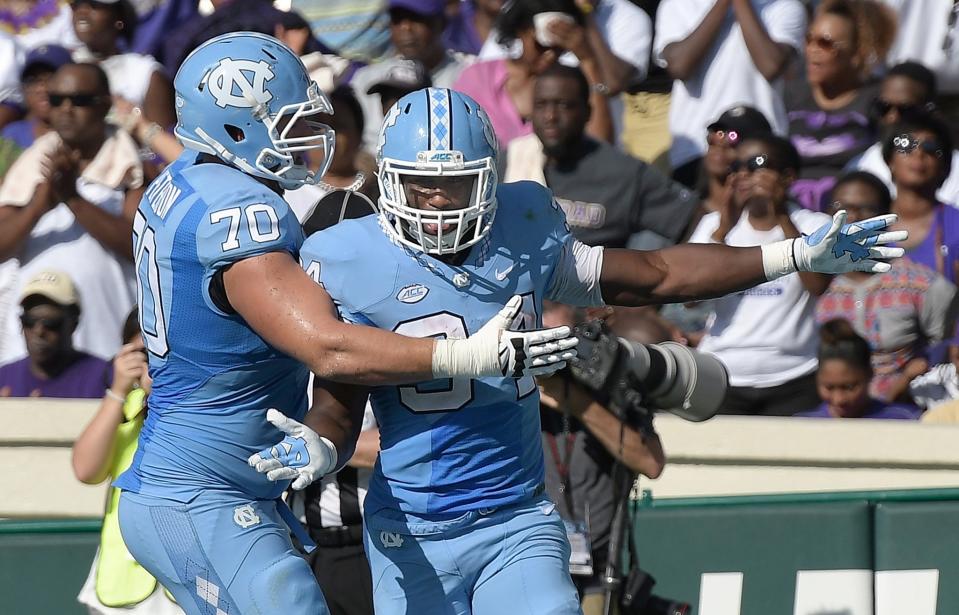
<point>652,121</point>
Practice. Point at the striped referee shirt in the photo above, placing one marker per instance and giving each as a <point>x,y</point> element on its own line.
<point>337,499</point>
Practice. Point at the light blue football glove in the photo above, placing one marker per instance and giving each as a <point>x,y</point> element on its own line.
<point>837,247</point>
<point>303,455</point>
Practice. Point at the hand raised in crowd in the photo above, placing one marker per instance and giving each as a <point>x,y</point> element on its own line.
<point>129,366</point>
<point>62,170</point>
<point>126,115</point>
<point>570,36</point>
<point>729,212</point>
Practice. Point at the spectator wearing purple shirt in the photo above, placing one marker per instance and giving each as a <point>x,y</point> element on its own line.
<point>845,370</point>
<point>470,24</point>
<point>919,154</point>
<point>52,367</point>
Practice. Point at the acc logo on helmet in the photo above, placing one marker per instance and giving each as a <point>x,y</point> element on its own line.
<point>239,83</point>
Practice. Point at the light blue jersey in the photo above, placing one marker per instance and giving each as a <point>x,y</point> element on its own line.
<point>449,446</point>
<point>213,377</point>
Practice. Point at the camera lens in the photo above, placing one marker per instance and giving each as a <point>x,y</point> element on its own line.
<point>659,606</point>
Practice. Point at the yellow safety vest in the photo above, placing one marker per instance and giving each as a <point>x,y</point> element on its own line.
<point>120,580</point>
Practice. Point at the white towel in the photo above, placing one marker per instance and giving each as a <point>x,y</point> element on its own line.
<point>117,165</point>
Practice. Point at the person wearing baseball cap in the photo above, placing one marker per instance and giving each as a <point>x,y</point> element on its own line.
<point>52,367</point>
<point>416,31</point>
<point>740,121</point>
<point>722,137</point>
<point>404,77</point>
<point>41,62</point>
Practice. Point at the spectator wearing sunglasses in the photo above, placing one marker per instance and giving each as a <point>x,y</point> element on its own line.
<point>900,312</point>
<point>829,107</point>
<point>908,90</point>
<point>929,33</point>
<point>918,153</point>
<point>52,367</point>
<point>766,335</point>
<point>722,137</point>
<point>106,28</point>
<point>68,204</point>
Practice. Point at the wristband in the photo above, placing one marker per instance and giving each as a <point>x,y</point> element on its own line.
<point>149,133</point>
<point>779,259</point>
<point>109,393</point>
<point>461,358</point>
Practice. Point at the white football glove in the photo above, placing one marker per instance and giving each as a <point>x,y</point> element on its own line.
<point>836,247</point>
<point>496,351</point>
<point>303,455</point>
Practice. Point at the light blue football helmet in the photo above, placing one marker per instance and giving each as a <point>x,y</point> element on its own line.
<point>238,97</point>
<point>437,132</point>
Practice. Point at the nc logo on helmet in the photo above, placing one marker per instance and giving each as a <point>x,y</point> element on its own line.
<point>239,83</point>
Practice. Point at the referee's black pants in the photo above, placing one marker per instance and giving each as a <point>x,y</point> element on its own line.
<point>344,576</point>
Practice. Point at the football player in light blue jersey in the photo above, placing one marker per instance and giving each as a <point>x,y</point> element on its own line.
<point>456,518</point>
<point>233,325</point>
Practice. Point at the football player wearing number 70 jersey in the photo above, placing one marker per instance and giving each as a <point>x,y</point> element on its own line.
<point>233,326</point>
<point>456,518</point>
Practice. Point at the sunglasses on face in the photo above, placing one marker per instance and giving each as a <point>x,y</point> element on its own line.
<point>77,100</point>
<point>882,107</point>
<point>906,144</point>
<point>719,137</point>
<point>50,324</point>
<point>751,165</point>
<point>824,43</point>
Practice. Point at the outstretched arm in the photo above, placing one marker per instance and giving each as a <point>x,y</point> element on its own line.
<point>680,273</point>
<point>691,272</point>
<point>293,313</point>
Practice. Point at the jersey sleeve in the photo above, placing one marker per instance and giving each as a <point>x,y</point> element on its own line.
<point>236,229</point>
<point>574,279</point>
<point>327,261</point>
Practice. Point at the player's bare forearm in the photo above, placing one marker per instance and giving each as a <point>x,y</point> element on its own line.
<point>337,414</point>
<point>294,314</point>
<point>680,273</point>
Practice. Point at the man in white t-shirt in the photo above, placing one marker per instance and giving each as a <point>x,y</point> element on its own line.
<point>416,29</point>
<point>765,335</point>
<point>68,204</point>
<point>723,53</point>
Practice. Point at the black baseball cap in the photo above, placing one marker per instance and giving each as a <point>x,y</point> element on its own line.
<point>405,76</point>
<point>743,120</point>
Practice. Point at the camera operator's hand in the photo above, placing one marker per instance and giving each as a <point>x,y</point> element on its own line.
<point>562,394</point>
<point>640,452</point>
